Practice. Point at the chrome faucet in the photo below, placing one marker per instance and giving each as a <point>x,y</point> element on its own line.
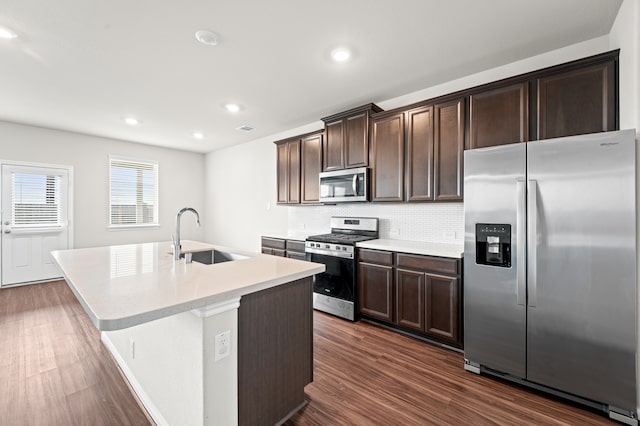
<point>176,242</point>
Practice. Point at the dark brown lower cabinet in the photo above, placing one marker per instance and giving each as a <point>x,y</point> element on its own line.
<point>275,352</point>
<point>442,307</point>
<point>415,293</point>
<point>410,299</point>
<point>293,249</point>
<point>375,291</point>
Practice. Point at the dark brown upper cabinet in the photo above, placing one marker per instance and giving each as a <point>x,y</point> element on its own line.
<point>499,116</point>
<point>311,159</point>
<point>387,157</point>
<point>347,138</point>
<point>299,162</point>
<point>448,151</point>
<point>419,170</point>
<point>288,171</point>
<point>578,101</point>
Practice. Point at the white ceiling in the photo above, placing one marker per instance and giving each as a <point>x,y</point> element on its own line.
<point>83,65</point>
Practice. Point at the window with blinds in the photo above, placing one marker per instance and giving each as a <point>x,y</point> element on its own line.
<point>35,200</point>
<point>134,193</point>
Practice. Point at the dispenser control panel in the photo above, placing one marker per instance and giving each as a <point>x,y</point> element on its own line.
<point>493,244</point>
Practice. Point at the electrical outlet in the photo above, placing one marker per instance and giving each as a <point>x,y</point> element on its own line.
<point>222,345</point>
<point>132,348</point>
<point>449,235</point>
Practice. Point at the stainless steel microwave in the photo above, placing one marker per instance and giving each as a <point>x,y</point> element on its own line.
<point>344,186</point>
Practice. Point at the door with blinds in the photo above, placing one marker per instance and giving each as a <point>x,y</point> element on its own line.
<point>35,221</point>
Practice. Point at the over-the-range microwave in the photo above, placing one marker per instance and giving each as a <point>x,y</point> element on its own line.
<point>344,186</point>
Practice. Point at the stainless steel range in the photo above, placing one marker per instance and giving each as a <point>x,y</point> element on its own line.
<point>334,291</point>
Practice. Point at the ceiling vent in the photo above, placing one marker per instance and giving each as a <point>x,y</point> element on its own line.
<point>245,128</point>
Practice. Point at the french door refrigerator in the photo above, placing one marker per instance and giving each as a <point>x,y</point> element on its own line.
<point>550,267</point>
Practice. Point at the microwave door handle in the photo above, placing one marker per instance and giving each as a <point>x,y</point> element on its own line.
<point>355,185</point>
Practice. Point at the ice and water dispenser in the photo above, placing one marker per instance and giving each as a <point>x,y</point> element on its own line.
<point>493,244</point>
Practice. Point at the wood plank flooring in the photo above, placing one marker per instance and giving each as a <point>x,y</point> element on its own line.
<point>53,368</point>
<point>367,375</point>
<point>55,371</point>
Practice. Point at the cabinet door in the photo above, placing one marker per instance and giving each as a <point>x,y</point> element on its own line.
<point>448,150</point>
<point>333,155</point>
<point>499,116</point>
<point>577,102</point>
<point>410,299</point>
<point>375,291</point>
<point>420,154</point>
<point>442,307</point>
<point>387,158</point>
<point>293,184</point>
<point>311,159</point>
<point>357,141</point>
<point>282,159</point>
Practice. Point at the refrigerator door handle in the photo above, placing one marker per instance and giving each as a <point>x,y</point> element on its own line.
<point>521,283</point>
<point>532,241</point>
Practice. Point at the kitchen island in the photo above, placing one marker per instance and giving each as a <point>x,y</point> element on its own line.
<point>223,343</point>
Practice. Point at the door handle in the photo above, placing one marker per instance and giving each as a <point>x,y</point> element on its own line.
<point>355,185</point>
<point>532,241</point>
<point>521,224</point>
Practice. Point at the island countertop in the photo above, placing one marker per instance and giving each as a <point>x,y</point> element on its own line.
<point>126,285</point>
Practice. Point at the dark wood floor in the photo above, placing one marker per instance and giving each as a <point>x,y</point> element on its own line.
<point>55,371</point>
<point>53,368</point>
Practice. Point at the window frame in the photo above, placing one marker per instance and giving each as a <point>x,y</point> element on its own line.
<point>156,210</point>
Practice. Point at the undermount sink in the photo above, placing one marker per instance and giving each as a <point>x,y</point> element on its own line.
<point>211,257</point>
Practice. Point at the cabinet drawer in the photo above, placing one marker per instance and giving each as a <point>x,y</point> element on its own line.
<point>428,263</point>
<point>296,255</point>
<point>295,245</point>
<point>375,256</point>
<point>275,243</point>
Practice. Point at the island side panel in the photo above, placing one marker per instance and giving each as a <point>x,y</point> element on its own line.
<point>275,352</point>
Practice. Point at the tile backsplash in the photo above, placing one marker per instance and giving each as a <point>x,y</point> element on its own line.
<point>435,222</point>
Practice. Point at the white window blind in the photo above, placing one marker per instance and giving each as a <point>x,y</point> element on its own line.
<point>35,200</point>
<point>134,193</point>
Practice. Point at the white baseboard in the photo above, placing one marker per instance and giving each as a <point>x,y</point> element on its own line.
<point>133,382</point>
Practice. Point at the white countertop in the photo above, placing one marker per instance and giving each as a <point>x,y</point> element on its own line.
<point>293,235</point>
<point>127,285</point>
<point>416,247</point>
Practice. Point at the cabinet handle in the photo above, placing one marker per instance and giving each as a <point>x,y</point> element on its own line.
<point>521,280</point>
<point>532,241</point>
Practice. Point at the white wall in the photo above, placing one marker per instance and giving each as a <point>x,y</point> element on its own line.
<point>625,35</point>
<point>239,219</point>
<point>181,180</point>
<point>241,193</point>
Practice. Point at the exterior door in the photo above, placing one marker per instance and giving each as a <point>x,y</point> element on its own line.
<point>35,221</point>
<point>494,304</point>
<point>582,266</point>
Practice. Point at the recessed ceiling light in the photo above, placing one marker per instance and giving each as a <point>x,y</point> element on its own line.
<point>131,121</point>
<point>198,135</point>
<point>341,54</point>
<point>232,107</point>
<point>6,33</point>
<point>207,37</point>
<point>245,128</point>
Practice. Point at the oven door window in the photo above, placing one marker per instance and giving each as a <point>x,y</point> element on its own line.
<point>339,278</point>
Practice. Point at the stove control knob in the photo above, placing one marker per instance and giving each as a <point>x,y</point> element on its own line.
<point>344,249</point>
<point>327,246</point>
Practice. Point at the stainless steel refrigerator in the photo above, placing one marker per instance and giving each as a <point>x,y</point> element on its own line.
<point>550,267</point>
